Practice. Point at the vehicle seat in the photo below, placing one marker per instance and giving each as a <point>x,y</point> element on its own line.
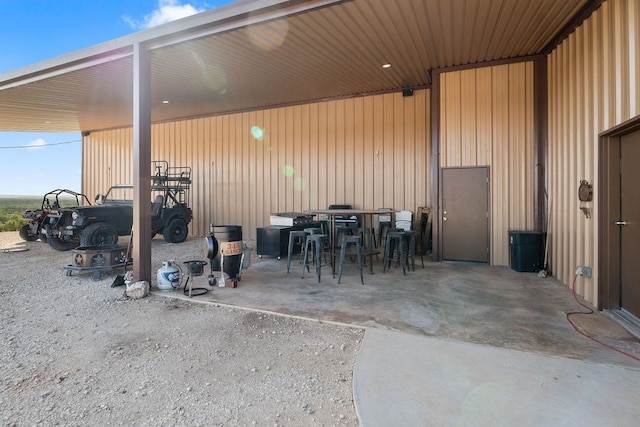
<point>156,206</point>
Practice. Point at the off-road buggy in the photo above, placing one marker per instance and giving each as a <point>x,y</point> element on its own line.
<point>51,203</point>
<point>112,215</point>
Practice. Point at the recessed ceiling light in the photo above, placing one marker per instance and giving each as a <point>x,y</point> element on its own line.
<point>165,102</point>
<point>387,65</point>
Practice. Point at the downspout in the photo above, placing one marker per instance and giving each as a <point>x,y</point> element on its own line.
<point>540,136</point>
<point>436,200</point>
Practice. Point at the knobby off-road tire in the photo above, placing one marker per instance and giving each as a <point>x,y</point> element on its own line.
<point>176,231</point>
<point>99,233</point>
<point>25,233</point>
<point>62,245</point>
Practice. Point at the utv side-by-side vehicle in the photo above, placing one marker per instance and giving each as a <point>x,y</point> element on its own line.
<point>51,203</point>
<point>112,215</point>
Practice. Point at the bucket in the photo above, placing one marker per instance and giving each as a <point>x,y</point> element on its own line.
<point>229,239</point>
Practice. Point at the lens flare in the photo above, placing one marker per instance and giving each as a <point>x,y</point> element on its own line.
<point>288,170</point>
<point>213,76</point>
<point>270,35</point>
<point>300,184</point>
<point>257,132</point>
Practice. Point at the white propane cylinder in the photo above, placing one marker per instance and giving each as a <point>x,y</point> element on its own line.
<point>168,276</point>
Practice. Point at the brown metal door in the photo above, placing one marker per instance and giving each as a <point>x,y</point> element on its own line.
<point>630,222</point>
<point>465,218</point>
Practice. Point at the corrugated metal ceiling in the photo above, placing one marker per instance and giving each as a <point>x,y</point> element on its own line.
<point>290,53</point>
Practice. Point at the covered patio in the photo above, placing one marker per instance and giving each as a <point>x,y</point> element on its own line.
<point>487,305</point>
<point>453,343</point>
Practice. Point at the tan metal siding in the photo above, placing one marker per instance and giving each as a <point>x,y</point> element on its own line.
<point>487,120</point>
<point>370,152</point>
<point>593,86</point>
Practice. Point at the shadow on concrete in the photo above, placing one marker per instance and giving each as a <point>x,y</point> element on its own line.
<point>468,302</point>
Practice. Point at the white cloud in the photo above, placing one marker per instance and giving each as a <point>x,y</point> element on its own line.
<point>36,144</point>
<point>167,11</point>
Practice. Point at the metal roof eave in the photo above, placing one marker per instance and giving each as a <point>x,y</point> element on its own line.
<point>239,14</point>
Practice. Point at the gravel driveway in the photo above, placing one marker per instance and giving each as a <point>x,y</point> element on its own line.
<point>76,352</point>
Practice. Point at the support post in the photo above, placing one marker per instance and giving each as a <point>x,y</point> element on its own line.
<point>436,197</point>
<point>141,163</point>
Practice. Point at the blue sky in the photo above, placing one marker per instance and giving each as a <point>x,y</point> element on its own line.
<point>36,30</point>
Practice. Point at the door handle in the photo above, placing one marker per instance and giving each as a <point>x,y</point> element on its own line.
<point>621,223</point>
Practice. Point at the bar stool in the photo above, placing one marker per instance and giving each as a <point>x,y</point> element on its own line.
<point>384,224</point>
<point>346,241</point>
<point>341,233</point>
<point>295,237</point>
<point>313,230</point>
<point>395,239</point>
<point>316,243</point>
<point>413,237</point>
<point>368,236</point>
<point>368,240</point>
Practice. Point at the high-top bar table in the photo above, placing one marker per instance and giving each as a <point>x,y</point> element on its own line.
<point>368,248</point>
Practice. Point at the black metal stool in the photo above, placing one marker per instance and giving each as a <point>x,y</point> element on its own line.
<point>413,237</point>
<point>346,241</point>
<point>295,237</point>
<point>341,233</point>
<point>399,240</point>
<point>383,229</point>
<point>314,230</point>
<point>316,243</point>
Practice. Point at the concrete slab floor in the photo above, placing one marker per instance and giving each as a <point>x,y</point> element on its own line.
<point>458,343</point>
<point>436,382</point>
<point>476,303</point>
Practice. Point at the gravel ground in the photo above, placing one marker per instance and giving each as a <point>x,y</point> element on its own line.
<point>76,352</point>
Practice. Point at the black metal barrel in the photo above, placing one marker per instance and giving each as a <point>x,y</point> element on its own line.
<point>229,239</point>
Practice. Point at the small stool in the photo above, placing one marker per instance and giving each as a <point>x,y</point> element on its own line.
<point>341,232</point>
<point>368,240</point>
<point>295,237</point>
<point>368,236</point>
<point>413,235</point>
<point>397,239</point>
<point>315,242</point>
<point>314,230</point>
<point>383,229</point>
<point>346,241</point>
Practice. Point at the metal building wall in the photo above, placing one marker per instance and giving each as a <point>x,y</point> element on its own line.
<point>487,120</point>
<point>370,152</point>
<point>106,161</point>
<point>593,85</point>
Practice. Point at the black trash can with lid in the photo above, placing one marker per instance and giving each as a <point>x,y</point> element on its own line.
<point>526,249</point>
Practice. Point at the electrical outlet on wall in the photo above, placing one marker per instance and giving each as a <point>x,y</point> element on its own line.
<point>583,271</point>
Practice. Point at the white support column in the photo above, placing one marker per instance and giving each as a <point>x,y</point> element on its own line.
<point>141,163</point>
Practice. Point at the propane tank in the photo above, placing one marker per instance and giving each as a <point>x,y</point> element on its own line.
<point>168,276</point>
